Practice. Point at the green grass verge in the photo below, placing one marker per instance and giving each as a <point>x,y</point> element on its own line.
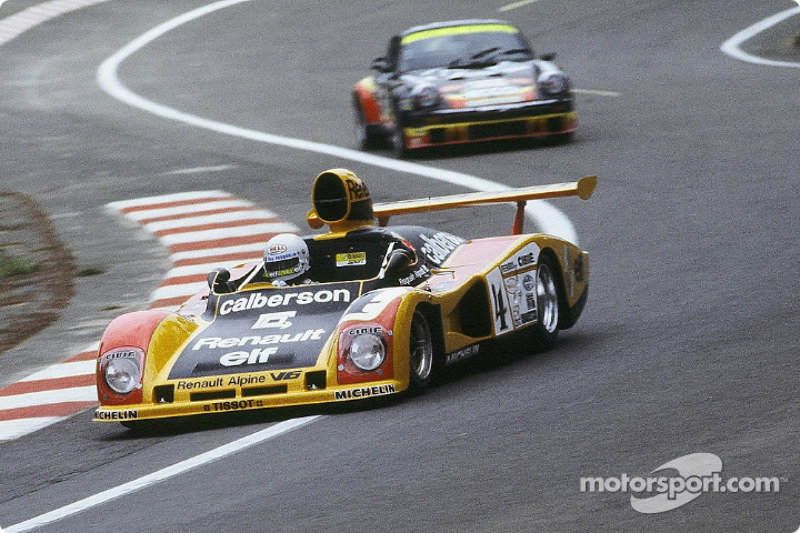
<point>13,266</point>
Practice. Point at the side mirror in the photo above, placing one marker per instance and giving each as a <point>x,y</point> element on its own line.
<point>219,281</point>
<point>382,64</point>
<point>399,260</point>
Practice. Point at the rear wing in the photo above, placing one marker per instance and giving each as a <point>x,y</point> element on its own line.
<point>583,189</point>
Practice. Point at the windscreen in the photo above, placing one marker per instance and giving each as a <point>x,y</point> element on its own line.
<point>459,45</point>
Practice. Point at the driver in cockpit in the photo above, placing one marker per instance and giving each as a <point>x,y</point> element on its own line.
<point>286,260</point>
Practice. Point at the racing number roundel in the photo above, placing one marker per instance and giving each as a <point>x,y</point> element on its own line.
<point>370,307</point>
<point>500,308</point>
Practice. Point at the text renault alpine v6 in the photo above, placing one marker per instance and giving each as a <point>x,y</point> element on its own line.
<point>361,311</point>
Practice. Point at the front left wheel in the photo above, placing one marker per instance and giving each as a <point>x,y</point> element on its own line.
<point>397,137</point>
<point>421,352</point>
<point>365,139</point>
<point>547,304</point>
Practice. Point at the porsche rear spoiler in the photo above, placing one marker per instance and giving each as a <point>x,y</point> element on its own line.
<point>583,188</point>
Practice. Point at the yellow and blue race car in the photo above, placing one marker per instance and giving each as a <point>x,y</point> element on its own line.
<point>461,81</point>
<point>363,310</point>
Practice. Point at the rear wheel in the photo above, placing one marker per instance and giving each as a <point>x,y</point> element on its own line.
<point>420,352</point>
<point>547,304</point>
<point>564,138</point>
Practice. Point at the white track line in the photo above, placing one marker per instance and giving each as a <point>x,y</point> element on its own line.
<point>22,21</point>
<point>122,205</point>
<point>731,46</point>
<point>548,218</point>
<point>73,394</point>
<point>197,208</point>
<point>256,249</point>
<point>202,268</point>
<point>163,474</point>
<point>14,429</point>
<point>183,291</point>
<point>233,216</point>
<point>64,370</point>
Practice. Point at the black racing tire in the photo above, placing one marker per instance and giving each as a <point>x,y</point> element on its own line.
<point>420,353</point>
<point>564,138</point>
<point>397,139</point>
<point>364,138</point>
<point>146,427</point>
<point>548,304</point>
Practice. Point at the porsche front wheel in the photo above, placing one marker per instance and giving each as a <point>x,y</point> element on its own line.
<point>547,304</point>
<point>397,138</point>
<point>420,352</point>
<point>364,137</point>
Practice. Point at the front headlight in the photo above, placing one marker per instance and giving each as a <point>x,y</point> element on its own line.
<point>123,374</point>
<point>426,96</point>
<point>367,351</point>
<point>553,82</point>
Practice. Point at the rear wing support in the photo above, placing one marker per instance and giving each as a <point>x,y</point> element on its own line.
<point>519,219</point>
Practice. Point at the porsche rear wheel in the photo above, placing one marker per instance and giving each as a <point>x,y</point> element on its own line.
<point>420,352</point>
<point>547,304</point>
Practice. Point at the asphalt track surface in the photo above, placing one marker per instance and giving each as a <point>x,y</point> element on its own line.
<point>688,344</point>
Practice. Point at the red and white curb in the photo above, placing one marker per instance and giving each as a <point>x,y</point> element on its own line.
<point>201,230</point>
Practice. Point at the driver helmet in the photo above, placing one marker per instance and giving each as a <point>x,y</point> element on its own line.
<point>286,257</point>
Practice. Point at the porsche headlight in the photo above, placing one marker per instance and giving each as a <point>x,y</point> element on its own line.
<point>426,96</point>
<point>122,374</point>
<point>367,351</point>
<point>553,82</point>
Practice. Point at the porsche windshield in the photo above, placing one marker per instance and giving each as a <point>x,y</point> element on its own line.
<point>462,46</point>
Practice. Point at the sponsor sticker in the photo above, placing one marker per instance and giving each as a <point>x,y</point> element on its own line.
<point>260,300</point>
<point>277,249</point>
<point>351,259</point>
<point>420,273</point>
<point>278,320</point>
<point>438,247</point>
<point>357,190</point>
<point>259,348</point>
<point>256,356</point>
<point>463,353</point>
<point>233,405</point>
<point>525,259</point>
<point>365,392</point>
<point>238,381</point>
<point>128,414</point>
<point>513,300</point>
<point>205,384</point>
<point>370,306</point>
<point>213,343</point>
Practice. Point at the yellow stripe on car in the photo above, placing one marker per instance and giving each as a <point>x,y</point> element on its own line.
<point>458,30</point>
